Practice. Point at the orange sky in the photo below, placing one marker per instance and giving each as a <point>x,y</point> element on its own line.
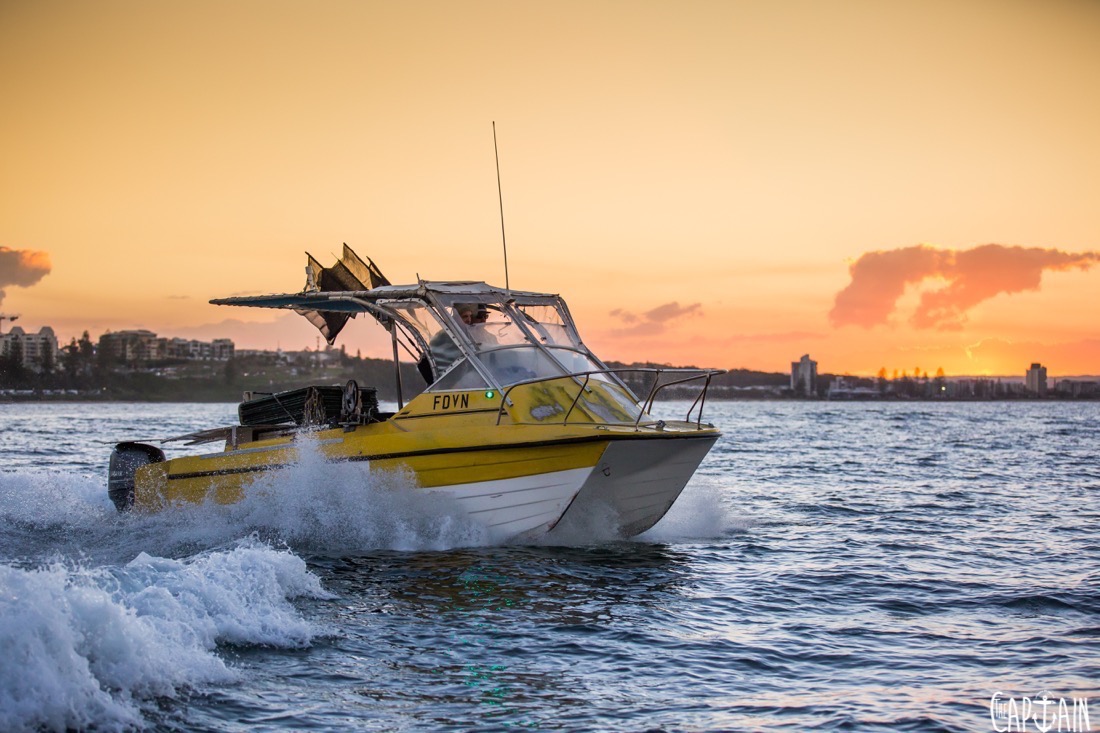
<point>705,182</point>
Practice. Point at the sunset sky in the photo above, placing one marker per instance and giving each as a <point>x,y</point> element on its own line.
<point>728,184</point>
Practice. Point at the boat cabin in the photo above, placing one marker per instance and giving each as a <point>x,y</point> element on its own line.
<point>466,335</point>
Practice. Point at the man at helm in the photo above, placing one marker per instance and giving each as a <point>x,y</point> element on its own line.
<point>445,351</point>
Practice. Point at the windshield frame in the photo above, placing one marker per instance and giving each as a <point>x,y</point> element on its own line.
<point>442,307</point>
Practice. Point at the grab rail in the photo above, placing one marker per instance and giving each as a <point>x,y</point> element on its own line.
<point>644,406</point>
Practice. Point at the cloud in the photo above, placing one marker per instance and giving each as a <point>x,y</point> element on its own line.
<point>972,276</point>
<point>653,321</point>
<point>671,311</point>
<point>624,316</point>
<point>22,268</point>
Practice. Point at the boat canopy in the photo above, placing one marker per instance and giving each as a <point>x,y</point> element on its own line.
<point>463,335</point>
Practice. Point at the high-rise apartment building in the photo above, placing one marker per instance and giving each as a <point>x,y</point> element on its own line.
<point>1036,380</point>
<point>804,376</point>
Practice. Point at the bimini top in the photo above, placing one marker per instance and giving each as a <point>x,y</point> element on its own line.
<point>360,301</point>
<point>462,335</point>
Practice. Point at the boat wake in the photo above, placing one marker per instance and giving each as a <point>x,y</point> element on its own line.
<point>96,645</point>
<point>319,506</point>
<point>109,612</point>
<point>312,506</point>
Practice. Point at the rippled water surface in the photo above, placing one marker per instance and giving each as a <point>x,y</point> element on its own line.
<point>831,566</point>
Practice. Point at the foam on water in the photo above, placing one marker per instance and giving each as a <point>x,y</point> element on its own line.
<point>313,505</point>
<point>104,612</point>
<point>324,506</point>
<point>701,513</point>
<point>89,646</point>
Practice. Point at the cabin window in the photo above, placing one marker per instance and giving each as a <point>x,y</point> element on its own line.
<point>418,316</point>
<point>462,375</point>
<point>575,361</point>
<point>546,322</point>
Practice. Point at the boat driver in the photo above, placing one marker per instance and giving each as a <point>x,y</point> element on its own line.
<point>444,349</point>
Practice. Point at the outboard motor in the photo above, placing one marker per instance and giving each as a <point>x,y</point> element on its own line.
<point>126,459</point>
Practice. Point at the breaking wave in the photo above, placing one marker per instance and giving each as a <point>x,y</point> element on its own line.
<point>85,646</point>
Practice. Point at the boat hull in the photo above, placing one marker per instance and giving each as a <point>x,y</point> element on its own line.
<point>515,491</point>
<point>526,506</point>
<point>636,482</point>
<point>516,464</point>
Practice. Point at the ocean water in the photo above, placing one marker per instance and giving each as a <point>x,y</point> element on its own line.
<point>874,566</point>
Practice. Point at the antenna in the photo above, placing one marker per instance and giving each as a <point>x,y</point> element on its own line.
<point>500,197</point>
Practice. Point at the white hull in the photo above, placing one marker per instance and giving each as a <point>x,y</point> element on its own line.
<point>638,481</point>
<point>524,506</point>
<point>635,482</point>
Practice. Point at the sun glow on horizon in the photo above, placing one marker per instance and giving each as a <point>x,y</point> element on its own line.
<point>750,182</point>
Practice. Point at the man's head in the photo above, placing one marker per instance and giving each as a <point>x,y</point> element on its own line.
<point>466,311</point>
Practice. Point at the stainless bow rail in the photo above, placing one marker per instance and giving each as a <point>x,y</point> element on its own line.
<point>644,406</point>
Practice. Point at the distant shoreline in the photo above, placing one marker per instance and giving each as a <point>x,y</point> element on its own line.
<point>164,399</point>
<point>214,381</point>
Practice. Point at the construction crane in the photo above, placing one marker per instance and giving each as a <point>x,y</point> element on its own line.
<point>6,317</point>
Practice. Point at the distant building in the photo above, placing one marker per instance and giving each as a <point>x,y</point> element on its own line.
<point>1036,380</point>
<point>144,346</point>
<point>216,350</point>
<point>130,346</point>
<point>1077,388</point>
<point>222,349</point>
<point>37,349</point>
<point>845,388</point>
<point>804,376</point>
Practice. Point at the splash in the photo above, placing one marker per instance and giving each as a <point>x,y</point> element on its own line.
<point>321,506</point>
<point>88,647</point>
<point>316,506</point>
<point>313,506</point>
<point>701,513</point>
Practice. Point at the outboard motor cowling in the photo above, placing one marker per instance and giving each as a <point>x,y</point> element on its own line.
<point>126,459</point>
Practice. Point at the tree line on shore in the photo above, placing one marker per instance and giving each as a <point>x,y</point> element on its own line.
<point>82,371</point>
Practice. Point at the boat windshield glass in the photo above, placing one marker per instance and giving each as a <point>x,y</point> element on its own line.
<point>548,325</point>
<point>418,316</point>
<point>506,342</point>
<point>447,357</point>
<point>521,341</point>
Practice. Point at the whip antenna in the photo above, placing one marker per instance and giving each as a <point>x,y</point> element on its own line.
<point>500,197</point>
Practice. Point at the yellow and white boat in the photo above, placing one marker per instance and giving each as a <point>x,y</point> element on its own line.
<point>520,423</point>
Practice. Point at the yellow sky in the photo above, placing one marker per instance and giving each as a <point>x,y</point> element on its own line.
<point>740,156</point>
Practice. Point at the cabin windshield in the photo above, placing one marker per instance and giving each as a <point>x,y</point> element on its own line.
<point>477,340</point>
<point>518,340</point>
<point>442,358</point>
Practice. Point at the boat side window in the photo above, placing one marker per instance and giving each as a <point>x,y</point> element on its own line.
<point>418,316</point>
<point>444,351</point>
<point>462,375</point>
